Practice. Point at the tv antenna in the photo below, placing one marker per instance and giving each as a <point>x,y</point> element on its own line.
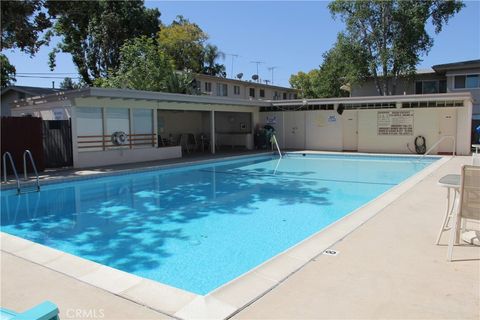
<point>257,63</point>
<point>272,69</point>
<point>233,55</point>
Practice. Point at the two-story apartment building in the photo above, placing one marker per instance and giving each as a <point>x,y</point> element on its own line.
<point>239,89</point>
<point>455,77</point>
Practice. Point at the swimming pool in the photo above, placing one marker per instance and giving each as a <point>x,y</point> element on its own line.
<point>198,227</point>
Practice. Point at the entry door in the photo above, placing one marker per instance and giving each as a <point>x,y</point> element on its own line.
<point>447,127</point>
<point>350,130</point>
<point>294,122</point>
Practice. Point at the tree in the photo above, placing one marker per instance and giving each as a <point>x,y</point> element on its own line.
<point>7,71</point>
<point>183,42</point>
<point>210,55</point>
<point>143,66</point>
<point>22,25</point>
<point>393,33</point>
<point>305,82</point>
<point>344,65</point>
<point>181,82</point>
<point>69,84</point>
<point>94,31</point>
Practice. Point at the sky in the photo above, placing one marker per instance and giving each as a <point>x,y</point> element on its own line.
<point>289,36</point>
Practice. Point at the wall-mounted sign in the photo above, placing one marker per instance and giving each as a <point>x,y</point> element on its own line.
<point>271,119</point>
<point>332,118</point>
<point>59,114</point>
<point>395,123</point>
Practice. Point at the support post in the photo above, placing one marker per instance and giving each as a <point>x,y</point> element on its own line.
<point>212,132</point>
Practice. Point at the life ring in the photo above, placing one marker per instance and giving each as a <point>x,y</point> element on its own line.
<point>119,138</point>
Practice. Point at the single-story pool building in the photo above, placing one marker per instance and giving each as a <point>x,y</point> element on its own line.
<point>114,126</point>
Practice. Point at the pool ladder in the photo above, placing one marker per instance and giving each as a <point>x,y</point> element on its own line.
<point>274,142</point>
<point>7,156</point>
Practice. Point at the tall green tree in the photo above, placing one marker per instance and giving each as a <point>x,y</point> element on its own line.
<point>183,41</point>
<point>143,66</point>
<point>22,25</point>
<point>344,65</point>
<point>94,31</point>
<point>211,54</point>
<point>7,71</point>
<point>306,83</point>
<point>393,33</point>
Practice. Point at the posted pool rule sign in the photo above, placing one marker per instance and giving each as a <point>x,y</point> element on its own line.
<point>395,123</point>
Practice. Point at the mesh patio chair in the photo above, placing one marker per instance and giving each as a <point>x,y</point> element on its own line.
<point>468,205</point>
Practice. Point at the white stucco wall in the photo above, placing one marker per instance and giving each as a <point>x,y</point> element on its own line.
<point>325,135</point>
<point>111,157</point>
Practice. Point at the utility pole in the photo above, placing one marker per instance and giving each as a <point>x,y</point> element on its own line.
<point>272,69</point>
<point>257,63</point>
<point>233,55</point>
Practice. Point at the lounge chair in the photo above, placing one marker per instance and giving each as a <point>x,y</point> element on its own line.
<point>468,205</point>
<point>44,311</point>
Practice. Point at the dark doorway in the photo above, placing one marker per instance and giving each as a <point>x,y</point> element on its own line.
<point>57,143</point>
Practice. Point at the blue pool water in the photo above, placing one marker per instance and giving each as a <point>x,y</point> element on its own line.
<point>198,227</point>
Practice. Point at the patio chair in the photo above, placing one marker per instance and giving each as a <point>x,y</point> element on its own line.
<point>44,311</point>
<point>476,159</point>
<point>468,205</point>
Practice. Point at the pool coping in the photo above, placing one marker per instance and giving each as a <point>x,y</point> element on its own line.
<point>231,297</point>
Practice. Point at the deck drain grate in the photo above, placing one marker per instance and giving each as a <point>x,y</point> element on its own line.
<point>331,252</point>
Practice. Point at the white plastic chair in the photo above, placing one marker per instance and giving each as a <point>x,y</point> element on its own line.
<point>468,204</point>
<point>476,159</point>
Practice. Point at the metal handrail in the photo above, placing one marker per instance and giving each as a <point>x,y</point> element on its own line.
<point>4,160</point>
<point>25,153</point>
<point>274,141</point>
<point>438,142</point>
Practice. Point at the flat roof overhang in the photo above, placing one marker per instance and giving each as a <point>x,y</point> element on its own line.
<point>128,94</point>
<point>378,99</point>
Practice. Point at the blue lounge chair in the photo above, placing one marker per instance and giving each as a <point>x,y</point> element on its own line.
<point>44,311</point>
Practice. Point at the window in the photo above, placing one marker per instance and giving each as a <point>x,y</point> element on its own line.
<point>295,96</point>
<point>21,95</point>
<point>418,87</point>
<point>472,81</point>
<point>251,92</point>
<point>284,96</point>
<point>236,90</point>
<point>208,87</point>
<point>442,86</point>
<point>222,90</point>
<point>430,86</point>
<point>459,82</point>
<point>275,95</point>
<point>142,127</point>
<point>117,119</point>
<point>262,93</point>
<point>89,128</point>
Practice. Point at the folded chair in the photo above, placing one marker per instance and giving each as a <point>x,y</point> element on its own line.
<point>44,311</point>
<point>468,205</point>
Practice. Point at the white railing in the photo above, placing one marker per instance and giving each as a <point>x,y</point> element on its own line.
<point>4,160</point>
<point>274,141</point>
<point>32,162</point>
<point>438,142</point>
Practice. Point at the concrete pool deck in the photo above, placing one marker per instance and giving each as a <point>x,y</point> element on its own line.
<point>387,268</point>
